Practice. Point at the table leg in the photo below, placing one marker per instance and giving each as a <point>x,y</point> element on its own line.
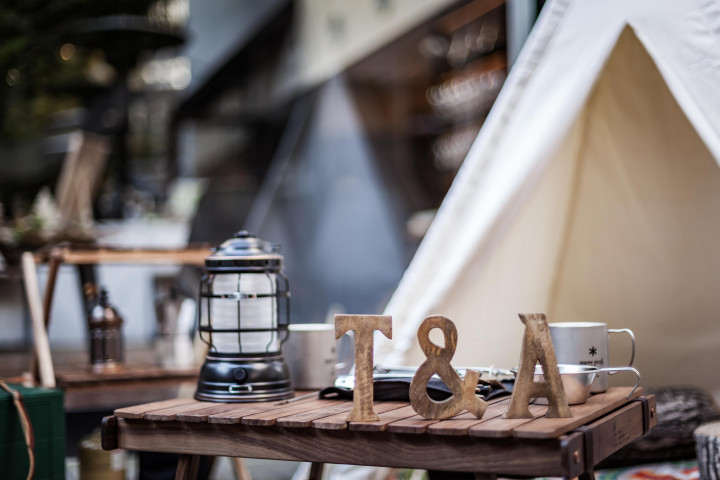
<point>316,471</point>
<point>241,470</point>
<point>40,337</point>
<point>53,267</point>
<point>187,468</point>
<point>587,476</point>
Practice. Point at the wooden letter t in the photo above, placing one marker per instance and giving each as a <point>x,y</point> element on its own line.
<point>364,326</point>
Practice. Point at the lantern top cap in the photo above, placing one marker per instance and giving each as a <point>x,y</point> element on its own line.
<point>244,250</point>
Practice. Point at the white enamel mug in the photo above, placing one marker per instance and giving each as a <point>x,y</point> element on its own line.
<point>586,343</point>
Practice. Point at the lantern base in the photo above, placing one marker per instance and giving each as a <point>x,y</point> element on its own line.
<point>227,378</point>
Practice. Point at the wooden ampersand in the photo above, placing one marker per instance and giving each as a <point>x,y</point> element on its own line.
<point>364,326</point>
<point>537,347</point>
<point>438,361</point>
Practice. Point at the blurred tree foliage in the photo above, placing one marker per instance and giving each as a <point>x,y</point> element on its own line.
<point>35,79</point>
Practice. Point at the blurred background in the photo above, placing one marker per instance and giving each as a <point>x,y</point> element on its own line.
<point>335,129</point>
<point>332,128</point>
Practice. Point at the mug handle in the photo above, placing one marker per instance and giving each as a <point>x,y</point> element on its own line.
<point>632,337</point>
<point>613,370</point>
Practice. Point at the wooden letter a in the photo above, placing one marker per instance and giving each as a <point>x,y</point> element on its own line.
<point>537,347</point>
<point>363,325</point>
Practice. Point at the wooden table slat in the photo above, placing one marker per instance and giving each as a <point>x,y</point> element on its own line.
<point>269,417</point>
<point>138,411</point>
<point>242,410</point>
<point>305,419</point>
<point>339,421</point>
<point>218,409</point>
<point>414,424</point>
<point>235,415</point>
<point>386,418</point>
<point>595,407</point>
<point>169,414</point>
<point>459,425</point>
<point>499,427</point>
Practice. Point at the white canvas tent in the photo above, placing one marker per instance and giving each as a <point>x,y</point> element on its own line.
<point>592,194</point>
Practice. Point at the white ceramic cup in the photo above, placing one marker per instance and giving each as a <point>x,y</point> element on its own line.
<point>586,343</point>
<point>311,354</point>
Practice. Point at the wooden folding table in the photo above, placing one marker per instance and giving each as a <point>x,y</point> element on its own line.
<point>314,430</point>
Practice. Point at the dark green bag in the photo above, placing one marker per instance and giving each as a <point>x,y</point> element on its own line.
<point>45,411</point>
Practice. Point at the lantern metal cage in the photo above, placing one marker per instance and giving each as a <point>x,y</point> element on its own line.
<point>243,317</point>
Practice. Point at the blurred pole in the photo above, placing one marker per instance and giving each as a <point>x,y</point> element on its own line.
<point>288,143</point>
<point>521,15</point>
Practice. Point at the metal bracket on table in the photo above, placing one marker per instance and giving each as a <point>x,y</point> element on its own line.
<point>573,448</point>
<point>648,413</point>
<point>588,445</point>
<point>109,439</point>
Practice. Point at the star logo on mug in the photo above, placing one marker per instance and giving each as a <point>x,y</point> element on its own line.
<point>593,351</point>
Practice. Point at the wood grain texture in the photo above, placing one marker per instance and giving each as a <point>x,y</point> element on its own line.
<point>202,414</point>
<point>537,347</point>
<point>499,427</point>
<point>138,411</point>
<point>438,362</point>
<point>316,471</point>
<point>416,424</point>
<point>386,418</point>
<point>460,424</point>
<point>187,468</point>
<point>184,256</point>
<point>170,413</point>
<point>394,417</point>
<point>242,472</point>
<point>469,454</point>
<point>539,446</point>
<point>595,407</point>
<point>616,429</point>
<point>305,419</point>
<point>236,414</point>
<point>269,417</point>
<point>242,410</point>
<point>339,422</point>
<point>363,326</point>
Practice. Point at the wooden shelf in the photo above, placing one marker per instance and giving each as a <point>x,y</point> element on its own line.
<point>79,375</point>
<point>194,255</point>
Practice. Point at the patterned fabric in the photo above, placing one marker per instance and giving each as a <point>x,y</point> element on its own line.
<point>681,470</point>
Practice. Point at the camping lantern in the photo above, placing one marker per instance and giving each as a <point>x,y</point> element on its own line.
<point>243,315</point>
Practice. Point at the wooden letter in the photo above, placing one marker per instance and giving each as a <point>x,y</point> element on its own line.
<point>363,325</point>
<point>438,361</point>
<point>537,347</point>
